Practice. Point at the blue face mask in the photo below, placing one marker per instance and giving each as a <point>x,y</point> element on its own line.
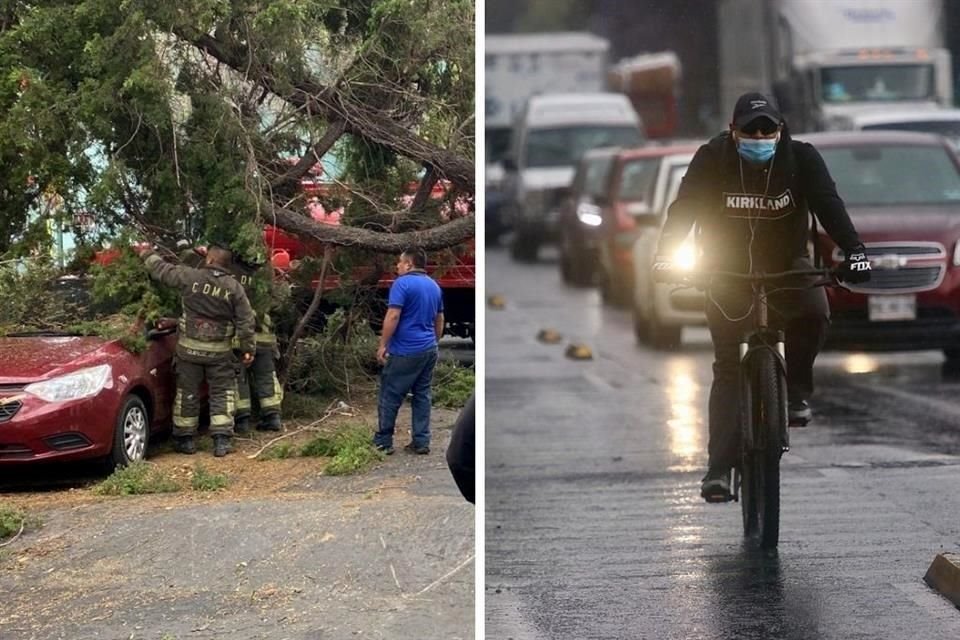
<point>757,151</point>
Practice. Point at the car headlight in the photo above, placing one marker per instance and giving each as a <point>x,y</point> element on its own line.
<point>956,254</point>
<point>589,214</point>
<point>685,256</point>
<point>73,386</point>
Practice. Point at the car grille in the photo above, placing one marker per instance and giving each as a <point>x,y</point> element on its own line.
<point>902,267</point>
<point>9,409</point>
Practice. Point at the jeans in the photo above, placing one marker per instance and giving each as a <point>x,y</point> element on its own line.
<point>400,376</point>
<point>803,315</point>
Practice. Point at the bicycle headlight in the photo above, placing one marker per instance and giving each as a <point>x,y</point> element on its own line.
<point>73,386</point>
<point>589,214</point>
<point>685,256</point>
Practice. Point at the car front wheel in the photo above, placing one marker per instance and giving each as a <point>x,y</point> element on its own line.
<point>131,433</point>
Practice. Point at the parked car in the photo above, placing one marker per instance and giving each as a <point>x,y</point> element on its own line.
<point>580,219</point>
<point>551,133</point>
<point>945,122</point>
<point>903,194</point>
<point>660,311</point>
<point>65,396</point>
<point>636,190</point>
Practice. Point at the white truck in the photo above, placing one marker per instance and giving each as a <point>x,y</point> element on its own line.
<point>826,61</point>
<point>519,66</point>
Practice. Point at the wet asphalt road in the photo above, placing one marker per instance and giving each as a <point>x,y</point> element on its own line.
<point>594,524</point>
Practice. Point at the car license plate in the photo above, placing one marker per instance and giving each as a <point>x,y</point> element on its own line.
<point>890,308</point>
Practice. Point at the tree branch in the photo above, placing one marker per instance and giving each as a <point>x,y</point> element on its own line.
<point>424,190</point>
<point>312,157</point>
<point>370,124</point>
<point>441,237</point>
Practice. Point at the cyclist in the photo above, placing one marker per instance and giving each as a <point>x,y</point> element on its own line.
<point>750,191</point>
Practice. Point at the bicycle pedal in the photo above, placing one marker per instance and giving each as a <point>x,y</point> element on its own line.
<point>719,498</point>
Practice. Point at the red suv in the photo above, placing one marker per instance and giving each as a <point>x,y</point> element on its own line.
<point>903,194</point>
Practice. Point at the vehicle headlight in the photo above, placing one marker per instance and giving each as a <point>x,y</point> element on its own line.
<point>956,254</point>
<point>589,214</point>
<point>685,256</point>
<point>73,386</point>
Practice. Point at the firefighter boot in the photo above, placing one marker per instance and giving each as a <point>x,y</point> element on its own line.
<point>221,445</point>
<point>270,422</point>
<point>184,444</point>
<point>241,425</point>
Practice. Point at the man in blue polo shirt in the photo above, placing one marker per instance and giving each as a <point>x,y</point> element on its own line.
<point>408,350</point>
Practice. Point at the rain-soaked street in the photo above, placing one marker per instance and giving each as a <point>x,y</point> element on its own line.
<point>594,524</point>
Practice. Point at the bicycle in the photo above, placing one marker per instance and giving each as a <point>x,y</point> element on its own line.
<point>764,431</point>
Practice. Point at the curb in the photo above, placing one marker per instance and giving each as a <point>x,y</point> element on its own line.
<point>944,576</point>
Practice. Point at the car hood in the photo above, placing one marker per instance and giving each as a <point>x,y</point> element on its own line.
<point>931,223</point>
<point>26,359</point>
<point>547,178</point>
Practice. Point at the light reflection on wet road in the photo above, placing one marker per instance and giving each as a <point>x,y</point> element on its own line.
<point>595,528</point>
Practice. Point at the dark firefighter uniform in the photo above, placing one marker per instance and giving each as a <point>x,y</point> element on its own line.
<point>215,312</point>
<point>262,374</point>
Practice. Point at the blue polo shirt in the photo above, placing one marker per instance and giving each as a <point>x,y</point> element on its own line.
<point>420,300</point>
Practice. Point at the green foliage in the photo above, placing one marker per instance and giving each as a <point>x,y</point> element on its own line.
<point>319,447</point>
<point>12,519</point>
<point>204,480</point>
<point>138,478</point>
<point>338,361</point>
<point>107,107</point>
<point>302,406</point>
<point>279,451</point>
<point>452,385</point>
<point>352,450</point>
<point>26,288</point>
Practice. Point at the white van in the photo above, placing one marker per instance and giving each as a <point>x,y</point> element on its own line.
<point>945,122</point>
<point>549,136</point>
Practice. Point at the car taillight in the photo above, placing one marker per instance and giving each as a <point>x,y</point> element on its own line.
<point>625,221</point>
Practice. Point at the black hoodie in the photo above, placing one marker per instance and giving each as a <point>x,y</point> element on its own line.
<point>726,196</point>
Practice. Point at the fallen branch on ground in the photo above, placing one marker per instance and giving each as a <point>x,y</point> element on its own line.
<point>336,408</point>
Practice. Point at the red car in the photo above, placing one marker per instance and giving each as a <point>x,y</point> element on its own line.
<point>69,397</point>
<point>903,194</point>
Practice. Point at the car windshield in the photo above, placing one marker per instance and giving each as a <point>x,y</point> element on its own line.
<point>894,174</point>
<point>563,147</point>
<point>639,179</point>
<point>876,83</point>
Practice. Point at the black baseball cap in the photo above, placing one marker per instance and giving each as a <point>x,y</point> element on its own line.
<point>751,106</point>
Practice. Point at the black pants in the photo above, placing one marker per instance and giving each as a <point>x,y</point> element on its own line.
<point>261,375</point>
<point>803,315</point>
<point>220,373</point>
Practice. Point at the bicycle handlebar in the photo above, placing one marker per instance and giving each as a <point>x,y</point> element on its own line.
<point>694,278</point>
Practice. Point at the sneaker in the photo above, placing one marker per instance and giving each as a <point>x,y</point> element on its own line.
<point>221,445</point>
<point>799,413</point>
<point>411,448</point>
<point>184,444</point>
<point>269,422</point>
<point>716,486</point>
<point>386,450</point>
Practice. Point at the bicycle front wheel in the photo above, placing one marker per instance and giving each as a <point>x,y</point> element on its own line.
<point>764,397</point>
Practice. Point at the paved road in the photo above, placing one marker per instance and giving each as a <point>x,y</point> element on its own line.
<point>386,554</point>
<point>594,525</point>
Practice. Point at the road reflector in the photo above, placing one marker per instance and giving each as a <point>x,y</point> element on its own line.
<point>496,302</point>
<point>944,576</point>
<point>577,351</point>
<point>549,336</point>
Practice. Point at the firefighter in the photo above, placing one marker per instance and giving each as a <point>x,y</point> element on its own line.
<point>261,377</point>
<point>215,311</point>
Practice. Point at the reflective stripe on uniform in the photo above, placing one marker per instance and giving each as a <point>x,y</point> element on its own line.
<point>265,338</point>
<point>221,421</point>
<point>221,346</point>
<point>277,398</point>
<point>178,419</point>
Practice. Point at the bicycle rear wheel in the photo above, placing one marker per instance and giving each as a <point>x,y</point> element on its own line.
<point>764,412</point>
